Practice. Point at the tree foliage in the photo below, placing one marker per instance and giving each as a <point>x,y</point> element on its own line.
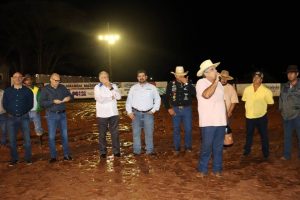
<point>38,36</point>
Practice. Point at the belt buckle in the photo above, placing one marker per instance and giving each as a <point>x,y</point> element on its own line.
<point>180,107</point>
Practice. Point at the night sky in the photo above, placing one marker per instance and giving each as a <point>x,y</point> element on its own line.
<point>159,36</point>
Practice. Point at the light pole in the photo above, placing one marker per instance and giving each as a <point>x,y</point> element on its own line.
<point>111,40</point>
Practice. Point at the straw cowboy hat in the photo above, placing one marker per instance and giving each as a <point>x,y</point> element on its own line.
<point>179,71</point>
<point>225,74</point>
<point>206,64</point>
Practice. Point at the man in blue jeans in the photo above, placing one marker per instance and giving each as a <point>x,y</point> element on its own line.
<point>178,101</point>
<point>212,118</point>
<point>3,120</point>
<point>142,102</point>
<point>18,101</point>
<point>54,96</point>
<point>289,106</point>
<point>34,113</point>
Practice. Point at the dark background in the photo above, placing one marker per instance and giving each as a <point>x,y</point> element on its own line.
<point>61,36</point>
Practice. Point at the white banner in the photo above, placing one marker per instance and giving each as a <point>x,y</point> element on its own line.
<point>86,89</point>
<point>274,87</point>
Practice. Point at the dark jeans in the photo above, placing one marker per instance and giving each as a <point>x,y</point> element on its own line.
<point>3,129</point>
<point>183,115</point>
<point>212,146</point>
<point>262,125</point>
<point>111,124</point>
<point>54,121</point>
<point>289,127</point>
<point>13,126</point>
<point>228,131</point>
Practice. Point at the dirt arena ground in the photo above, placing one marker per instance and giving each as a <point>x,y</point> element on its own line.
<point>164,176</point>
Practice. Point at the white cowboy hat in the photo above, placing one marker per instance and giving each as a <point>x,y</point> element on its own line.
<point>225,74</point>
<point>179,71</point>
<point>206,64</point>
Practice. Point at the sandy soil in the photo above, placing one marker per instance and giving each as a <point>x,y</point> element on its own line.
<point>164,176</point>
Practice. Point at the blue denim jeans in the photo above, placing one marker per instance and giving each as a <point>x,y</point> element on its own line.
<point>3,122</point>
<point>145,121</point>
<point>55,120</point>
<point>13,126</point>
<point>35,117</point>
<point>262,125</point>
<point>289,127</point>
<point>183,115</point>
<point>212,143</point>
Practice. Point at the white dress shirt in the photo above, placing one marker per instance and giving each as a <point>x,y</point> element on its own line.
<point>143,97</point>
<point>106,100</point>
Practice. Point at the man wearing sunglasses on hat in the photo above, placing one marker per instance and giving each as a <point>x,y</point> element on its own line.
<point>54,97</point>
<point>257,97</point>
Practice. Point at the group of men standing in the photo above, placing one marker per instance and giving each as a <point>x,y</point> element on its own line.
<point>22,102</point>
<point>143,101</point>
<point>216,101</point>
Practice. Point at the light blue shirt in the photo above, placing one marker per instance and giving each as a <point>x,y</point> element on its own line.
<point>143,97</point>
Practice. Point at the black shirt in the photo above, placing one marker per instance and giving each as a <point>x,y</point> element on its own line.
<point>179,94</point>
<point>17,102</point>
<point>48,94</point>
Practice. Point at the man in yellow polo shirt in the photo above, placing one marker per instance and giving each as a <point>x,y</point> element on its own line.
<point>257,97</point>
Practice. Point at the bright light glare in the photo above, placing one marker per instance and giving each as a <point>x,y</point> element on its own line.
<point>111,39</point>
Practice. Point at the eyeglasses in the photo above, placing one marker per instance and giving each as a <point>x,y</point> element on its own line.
<point>57,81</point>
<point>209,69</point>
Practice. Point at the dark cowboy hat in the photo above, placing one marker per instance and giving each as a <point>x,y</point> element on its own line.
<point>292,68</point>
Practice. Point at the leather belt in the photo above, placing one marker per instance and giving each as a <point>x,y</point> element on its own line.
<point>141,110</point>
<point>58,111</point>
<point>15,115</point>
<point>180,107</point>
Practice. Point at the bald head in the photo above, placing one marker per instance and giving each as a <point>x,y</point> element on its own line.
<point>54,80</point>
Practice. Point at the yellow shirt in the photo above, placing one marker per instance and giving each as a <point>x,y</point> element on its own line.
<point>256,102</point>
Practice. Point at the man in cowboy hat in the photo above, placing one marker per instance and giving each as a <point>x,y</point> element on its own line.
<point>257,97</point>
<point>230,95</point>
<point>178,101</point>
<point>212,117</point>
<point>289,106</point>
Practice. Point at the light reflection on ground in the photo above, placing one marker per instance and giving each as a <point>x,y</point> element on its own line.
<point>164,176</point>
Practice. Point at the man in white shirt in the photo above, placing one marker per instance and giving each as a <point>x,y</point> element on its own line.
<point>143,101</point>
<point>106,96</point>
